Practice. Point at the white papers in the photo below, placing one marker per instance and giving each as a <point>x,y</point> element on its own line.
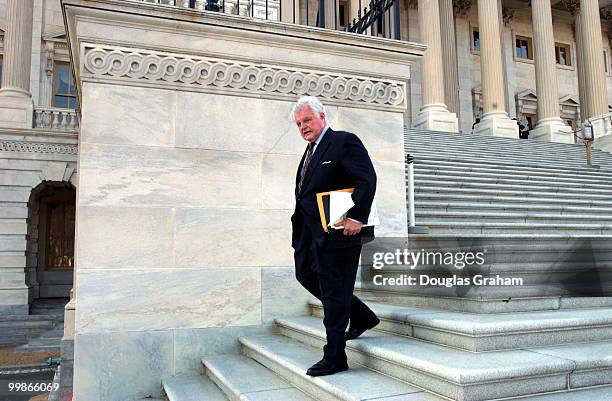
<point>341,202</point>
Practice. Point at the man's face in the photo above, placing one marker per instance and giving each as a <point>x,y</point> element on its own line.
<point>309,123</point>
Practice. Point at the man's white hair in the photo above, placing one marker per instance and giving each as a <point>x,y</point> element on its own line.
<point>311,101</point>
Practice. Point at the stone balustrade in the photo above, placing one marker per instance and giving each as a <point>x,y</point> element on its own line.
<point>49,118</point>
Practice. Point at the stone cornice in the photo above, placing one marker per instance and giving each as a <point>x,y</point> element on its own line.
<point>225,76</point>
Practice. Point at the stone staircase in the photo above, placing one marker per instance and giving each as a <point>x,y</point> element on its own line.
<point>421,355</point>
<point>530,200</point>
<point>469,184</point>
<point>40,331</point>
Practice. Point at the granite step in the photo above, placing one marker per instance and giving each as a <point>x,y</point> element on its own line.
<point>486,227</point>
<point>519,178</point>
<point>454,147</point>
<point>479,305</point>
<point>556,192</point>
<point>451,145</point>
<point>460,206</point>
<point>466,376</point>
<point>603,393</point>
<point>472,138</point>
<point>571,181</point>
<point>7,324</point>
<point>569,160</point>
<point>21,318</point>
<point>244,379</point>
<point>509,164</point>
<point>39,348</point>
<point>577,165</point>
<point>514,217</point>
<point>443,166</point>
<point>490,332</point>
<point>466,182</point>
<point>290,359</point>
<point>422,196</point>
<point>553,154</point>
<point>191,388</point>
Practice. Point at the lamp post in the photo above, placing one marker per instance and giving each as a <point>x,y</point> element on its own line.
<point>587,135</point>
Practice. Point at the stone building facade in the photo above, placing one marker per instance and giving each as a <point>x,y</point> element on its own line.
<point>482,63</point>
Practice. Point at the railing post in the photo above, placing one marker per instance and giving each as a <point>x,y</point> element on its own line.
<point>321,22</point>
<point>55,120</point>
<point>396,9</point>
<point>412,227</point>
<point>410,171</point>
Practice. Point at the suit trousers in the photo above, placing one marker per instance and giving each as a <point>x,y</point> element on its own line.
<point>332,281</point>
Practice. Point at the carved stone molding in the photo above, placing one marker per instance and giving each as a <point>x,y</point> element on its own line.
<point>508,15</point>
<point>462,7</point>
<point>573,6</point>
<point>37,147</point>
<point>167,69</point>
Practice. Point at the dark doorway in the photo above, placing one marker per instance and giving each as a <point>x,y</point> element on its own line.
<point>51,239</point>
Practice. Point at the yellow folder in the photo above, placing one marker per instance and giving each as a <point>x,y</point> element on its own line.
<point>323,204</point>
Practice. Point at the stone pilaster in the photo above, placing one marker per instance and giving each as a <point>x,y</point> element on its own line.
<point>550,127</point>
<point>434,114</point>
<point>594,73</point>
<point>449,56</point>
<point>495,119</point>
<point>16,107</point>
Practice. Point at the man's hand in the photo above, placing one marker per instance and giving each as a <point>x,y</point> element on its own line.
<point>351,227</point>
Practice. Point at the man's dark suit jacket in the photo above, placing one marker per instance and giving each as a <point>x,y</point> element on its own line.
<point>340,161</point>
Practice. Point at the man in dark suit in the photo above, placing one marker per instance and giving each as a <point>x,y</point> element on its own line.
<point>326,264</point>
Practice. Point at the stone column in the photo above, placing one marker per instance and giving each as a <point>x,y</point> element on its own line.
<point>550,127</point>
<point>287,11</point>
<point>495,120</point>
<point>449,56</point>
<point>16,106</point>
<point>594,73</point>
<point>434,114</point>
<point>464,57</point>
<point>580,68</point>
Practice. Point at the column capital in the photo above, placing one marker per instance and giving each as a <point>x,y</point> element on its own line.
<point>462,8</point>
<point>573,6</point>
<point>606,13</point>
<point>508,15</point>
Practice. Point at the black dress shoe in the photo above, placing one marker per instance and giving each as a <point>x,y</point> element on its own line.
<point>354,332</point>
<point>324,368</point>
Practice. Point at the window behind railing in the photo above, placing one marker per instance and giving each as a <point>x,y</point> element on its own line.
<point>376,18</point>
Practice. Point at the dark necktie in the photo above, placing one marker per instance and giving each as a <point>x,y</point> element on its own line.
<point>309,154</point>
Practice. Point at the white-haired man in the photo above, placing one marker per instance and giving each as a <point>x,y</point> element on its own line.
<point>325,264</point>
